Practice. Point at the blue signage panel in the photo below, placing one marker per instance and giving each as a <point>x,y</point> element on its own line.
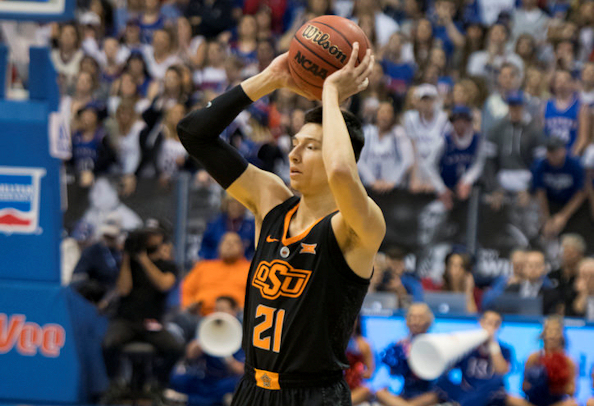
<point>30,215</point>
<point>520,334</point>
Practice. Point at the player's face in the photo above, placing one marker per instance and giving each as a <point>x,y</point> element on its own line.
<point>308,174</point>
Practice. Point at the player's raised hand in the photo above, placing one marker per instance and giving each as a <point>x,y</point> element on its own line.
<point>279,75</point>
<point>351,79</point>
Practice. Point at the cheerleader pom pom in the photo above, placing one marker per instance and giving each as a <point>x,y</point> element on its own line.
<point>558,372</point>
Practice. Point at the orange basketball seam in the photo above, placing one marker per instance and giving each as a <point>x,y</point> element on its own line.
<point>293,70</point>
<point>318,56</point>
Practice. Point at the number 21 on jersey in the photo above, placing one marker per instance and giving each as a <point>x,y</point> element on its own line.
<point>273,318</point>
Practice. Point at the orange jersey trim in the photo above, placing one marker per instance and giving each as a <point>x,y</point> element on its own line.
<point>288,241</point>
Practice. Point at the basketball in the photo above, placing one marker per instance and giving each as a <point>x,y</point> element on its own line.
<point>322,46</point>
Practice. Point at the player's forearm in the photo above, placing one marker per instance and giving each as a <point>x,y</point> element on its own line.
<point>199,133</point>
<point>337,151</point>
<point>259,86</point>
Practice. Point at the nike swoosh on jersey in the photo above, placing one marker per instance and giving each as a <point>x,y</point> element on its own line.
<point>270,239</point>
<point>208,104</point>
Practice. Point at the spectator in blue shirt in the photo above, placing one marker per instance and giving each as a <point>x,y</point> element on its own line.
<point>445,30</point>
<point>150,20</point>
<point>396,279</point>
<point>558,181</point>
<point>401,73</point>
<point>455,163</point>
<point>233,218</point>
<point>98,268</point>
<point>91,153</point>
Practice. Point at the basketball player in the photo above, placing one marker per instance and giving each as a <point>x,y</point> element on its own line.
<point>314,255</point>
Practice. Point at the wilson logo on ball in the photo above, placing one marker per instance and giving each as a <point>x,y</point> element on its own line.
<point>310,66</point>
<point>320,38</point>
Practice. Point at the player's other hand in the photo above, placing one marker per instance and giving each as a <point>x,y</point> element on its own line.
<point>278,74</point>
<point>351,79</point>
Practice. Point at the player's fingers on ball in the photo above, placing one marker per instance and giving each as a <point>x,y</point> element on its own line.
<point>364,63</point>
<point>369,68</point>
<point>354,54</point>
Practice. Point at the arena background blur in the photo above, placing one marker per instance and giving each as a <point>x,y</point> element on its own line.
<point>91,92</point>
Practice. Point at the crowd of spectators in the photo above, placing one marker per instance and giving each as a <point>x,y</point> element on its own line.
<point>489,93</point>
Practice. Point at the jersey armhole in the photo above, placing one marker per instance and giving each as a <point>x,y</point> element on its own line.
<point>337,256</point>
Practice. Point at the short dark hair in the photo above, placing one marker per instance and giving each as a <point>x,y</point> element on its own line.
<point>352,123</point>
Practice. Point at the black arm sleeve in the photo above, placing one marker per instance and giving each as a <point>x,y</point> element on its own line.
<point>199,133</point>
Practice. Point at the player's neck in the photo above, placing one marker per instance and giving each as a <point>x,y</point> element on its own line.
<point>313,207</point>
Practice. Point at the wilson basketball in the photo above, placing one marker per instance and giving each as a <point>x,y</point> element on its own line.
<point>321,47</point>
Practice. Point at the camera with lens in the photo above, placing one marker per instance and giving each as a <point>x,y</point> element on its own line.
<point>136,242</point>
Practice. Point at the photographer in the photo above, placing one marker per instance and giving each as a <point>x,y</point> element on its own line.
<point>144,281</point>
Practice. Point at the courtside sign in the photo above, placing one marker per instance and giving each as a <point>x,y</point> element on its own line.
<point>19,199</point>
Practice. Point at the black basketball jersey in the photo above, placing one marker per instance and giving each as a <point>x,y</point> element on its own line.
<point>302,298</point>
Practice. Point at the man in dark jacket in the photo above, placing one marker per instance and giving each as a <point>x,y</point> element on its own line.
<point>511,148</point>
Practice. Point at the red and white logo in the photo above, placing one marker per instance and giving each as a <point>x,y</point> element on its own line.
<point>29,337</point>
<point>19,199</point>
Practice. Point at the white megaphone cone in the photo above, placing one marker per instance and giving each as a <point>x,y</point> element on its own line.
<point>220,334</point>
<point>432,354</point>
